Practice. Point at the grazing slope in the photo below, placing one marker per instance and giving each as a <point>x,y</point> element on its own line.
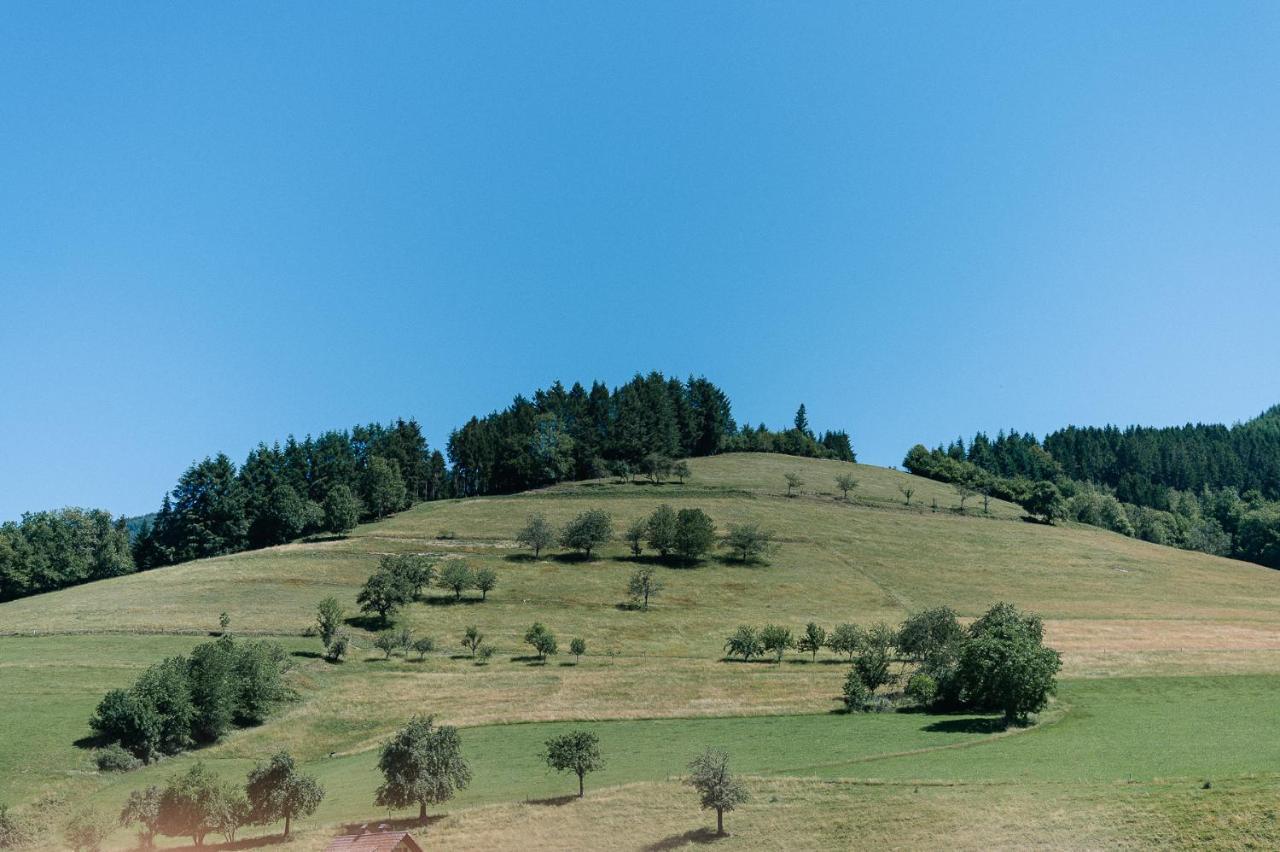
<point>1118,758</point>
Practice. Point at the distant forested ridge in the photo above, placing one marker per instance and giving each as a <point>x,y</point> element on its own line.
<point>328,483</point>
<point>582,434</point>
<point>1201,487</point>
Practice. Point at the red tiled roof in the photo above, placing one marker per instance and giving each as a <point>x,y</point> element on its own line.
<point>375,841</point>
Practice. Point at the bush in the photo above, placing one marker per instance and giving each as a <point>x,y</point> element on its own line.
<point>922,689</point>
<point>855,694</point>
<point>338,648</point>
<point>114,758</point>
<point>485,653</point>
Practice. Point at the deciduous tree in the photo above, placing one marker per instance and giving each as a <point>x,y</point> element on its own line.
<point>577,752</point>
<point>717,789</point>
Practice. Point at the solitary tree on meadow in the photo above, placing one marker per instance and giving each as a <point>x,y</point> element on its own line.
<point>907,491</point>
<point>964,490</point>
<point>577,752</point>
<point>717,789</point>
<point>329,617</point>
<point>383,593</point>
<point>472,639</point>
<point>278,791</point>
<point>457,576</point>
<point>542,640</point>
<point>643,585</point>
<point>793,482</point>
<point>421,765</point>
<point>537,534</point>
<point>846,483</point>
<point>748,541</point>
<point>485,580</point>
<point>680,470</point>
<point>577,647</point>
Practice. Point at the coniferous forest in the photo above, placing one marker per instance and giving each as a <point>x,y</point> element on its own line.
<point>1202,487</point>
<point>331,482</point>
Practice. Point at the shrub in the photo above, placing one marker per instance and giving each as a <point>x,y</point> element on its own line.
<point>387,642</point>
<point>338,648</point>
<point>485,653</point>
<point>855,694</point>
<point>472,639</point>
<point>922,689</point>
<point>114,758</point>
<point>423,646</point>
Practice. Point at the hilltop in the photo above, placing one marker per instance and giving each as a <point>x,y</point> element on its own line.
<point>1141,628</point>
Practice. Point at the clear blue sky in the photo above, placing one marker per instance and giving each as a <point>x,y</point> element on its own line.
<point>225,223</point>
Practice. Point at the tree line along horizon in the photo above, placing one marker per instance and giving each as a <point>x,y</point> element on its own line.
<point>1210,488</point>
<point>339,478</point>
<point>1203,487</point>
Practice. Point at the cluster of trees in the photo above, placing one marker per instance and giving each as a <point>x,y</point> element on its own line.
<point>324,484</point>
<point>999,663</point>
<point>197,803</point>
<point>50,550</point>
<point>578,433</point>
<point>683,536</point>
<point>1218,520</point>
<point>401,579</point>
<point>574,434</point>
<point>192,700</point>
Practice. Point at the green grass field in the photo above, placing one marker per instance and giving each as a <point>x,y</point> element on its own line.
<point>1171,661</point>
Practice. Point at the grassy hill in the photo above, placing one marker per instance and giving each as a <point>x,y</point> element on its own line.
<point>1120,758</point>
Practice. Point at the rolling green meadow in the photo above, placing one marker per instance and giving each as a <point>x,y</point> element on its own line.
<point>1163,731</point>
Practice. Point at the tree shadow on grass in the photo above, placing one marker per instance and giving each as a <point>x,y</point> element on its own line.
<point>309,655</point>
<point>244,843</point>
<point>552,801</point>
<point>371,623</point>
<point>739,661</point>
<point>532,660</point>
<point>401,824</point>
<point>92,741</point>
<point>967,725</point>
<point>451,601</point>
<point>573,558</point>
<point>522,557</point>
<point>676,841</point>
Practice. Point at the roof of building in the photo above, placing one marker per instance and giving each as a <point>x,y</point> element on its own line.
<point>374,841</point>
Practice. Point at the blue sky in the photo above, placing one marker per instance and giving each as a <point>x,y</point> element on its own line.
<point>221,223</point>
